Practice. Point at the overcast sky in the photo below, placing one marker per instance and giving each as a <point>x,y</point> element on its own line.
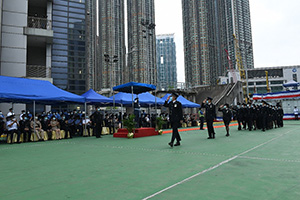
<point>275,31</point>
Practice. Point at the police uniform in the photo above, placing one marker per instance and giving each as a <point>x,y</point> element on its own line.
<point>210,115</point>
<point>137,112</point>
<point>175,109</point>
<point>97,120</point>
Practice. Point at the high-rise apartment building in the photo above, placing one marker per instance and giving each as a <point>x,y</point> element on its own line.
<point>209,26</point>
<point>26,37</point>
<point>166,62</point>
<point>112,50</point>
<point>141,42</point>
<point>92,46</point>
<point>69,45</point>
<point>238,21</point>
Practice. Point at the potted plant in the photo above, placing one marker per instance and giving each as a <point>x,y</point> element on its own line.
<point>160,122</point>
<point>129,123</point>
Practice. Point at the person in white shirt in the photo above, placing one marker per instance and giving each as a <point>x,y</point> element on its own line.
<point>12,126</point>
<point>86,122</point>
<point>296,113</point>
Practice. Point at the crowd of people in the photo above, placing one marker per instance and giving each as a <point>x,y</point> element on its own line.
<point>67,124</point>
<point>55,125</point>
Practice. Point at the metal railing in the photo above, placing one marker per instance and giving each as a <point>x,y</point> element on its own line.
<point>38,71</point>
<point>40,23</point>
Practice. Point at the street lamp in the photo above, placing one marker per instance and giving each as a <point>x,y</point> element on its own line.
<point>149,26</point>
<point>111,60</point>
<point>130,74</point>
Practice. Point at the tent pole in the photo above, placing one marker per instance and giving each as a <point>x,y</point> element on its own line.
<point>132,96</point>
<point>85,117</point>
<point>121,115</point>
<point>150,115</point>
<point>34,118</point>
<point>155,102</point>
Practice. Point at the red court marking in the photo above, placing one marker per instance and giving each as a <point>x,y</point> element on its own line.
<point>198,128</point>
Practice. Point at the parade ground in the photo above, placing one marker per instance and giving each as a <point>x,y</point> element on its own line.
<point>247,165</point>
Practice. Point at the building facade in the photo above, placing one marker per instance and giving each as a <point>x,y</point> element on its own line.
<point>26,38</point>
<point>166,62</point>
<point>112,50</point>
<point>208,27</point>
<point>141,42</point>
<point>277,76</point>
<point>69,45</point>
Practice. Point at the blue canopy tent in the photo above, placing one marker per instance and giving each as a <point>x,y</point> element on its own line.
<point>92,97</point>
<point>22,90</point>
<point>146,99</point>
<point>121,98</point>
<point>134,88</point>
<point>184,102</point>
<point>291,84</point>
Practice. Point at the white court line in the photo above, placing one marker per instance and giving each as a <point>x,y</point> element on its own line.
<point>270,159</point>
<point>214,167</point>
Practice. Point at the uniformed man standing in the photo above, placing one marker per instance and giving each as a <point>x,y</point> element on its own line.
<point>210,115</point>
<point>97,120</point>
<point>227,115</point>
<point>137,112</point>
<point>239,116</point>
<point>176,117</point>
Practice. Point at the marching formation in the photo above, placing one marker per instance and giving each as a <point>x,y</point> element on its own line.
<point>250,116</point>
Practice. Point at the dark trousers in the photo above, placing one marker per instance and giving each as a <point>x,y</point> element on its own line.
<point>175,133</point>
<point>239,124</point>
<point>201,122</point>
<point>11,133</point>
<point>210,128</point>
<point>296,117</point>
<point>98,130</point>
<point>27,136</point>
<point>250,124</point>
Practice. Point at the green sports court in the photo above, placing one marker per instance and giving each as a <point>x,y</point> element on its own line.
<point>247,165</point>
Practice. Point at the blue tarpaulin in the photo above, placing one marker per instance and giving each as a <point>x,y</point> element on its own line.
<point>184,102</point>
<point>291,84</point>
<point>135,88</point>
<point>123,98</point>
<point>92,97</point>
<point>145,99</point>
<point>23,90</point>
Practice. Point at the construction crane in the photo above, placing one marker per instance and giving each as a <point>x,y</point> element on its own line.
<point>240,66</point>
<point>231,69</point>
<point>267,81</point>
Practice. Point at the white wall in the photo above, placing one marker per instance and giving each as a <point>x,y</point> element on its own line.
<point>14,42</point>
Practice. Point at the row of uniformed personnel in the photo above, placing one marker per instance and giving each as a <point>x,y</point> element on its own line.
<point>259,116</point>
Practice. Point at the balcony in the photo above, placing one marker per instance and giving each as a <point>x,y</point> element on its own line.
<point>39,27</point>
<point>40,23</point>
<point>38,71</point>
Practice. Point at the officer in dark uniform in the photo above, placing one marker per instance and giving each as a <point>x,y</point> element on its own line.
<point>250,116</point>
<point>264,116</point>
<point>137,112</point>
<point>227,115</point>
<point>210,115</point>
<point>176,117</point>
<point>280,116</point>
<point>239,115</point>
<point>97,120</point>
